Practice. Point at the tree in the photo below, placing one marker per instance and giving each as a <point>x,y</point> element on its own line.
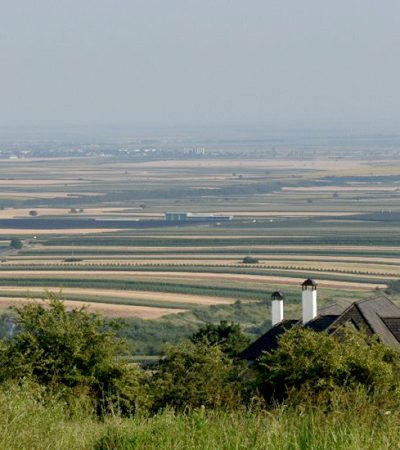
<point>194,375</point>
<point>16,243</point>
<point>70,350</point>
<point>33,213</point>
<point>228,336</point>
<point>314,363</point>
<point>250,260</point>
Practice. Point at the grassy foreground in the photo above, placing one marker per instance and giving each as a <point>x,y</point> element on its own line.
<point>26,422</point>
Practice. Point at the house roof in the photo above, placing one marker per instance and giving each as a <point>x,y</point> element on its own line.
<point>268,341</point>
<point>393,324</point>
<point>379,315</point>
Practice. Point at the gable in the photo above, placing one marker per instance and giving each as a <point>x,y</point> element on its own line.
<point>354,316</point>
<point>393,324</point>
<point>367,315</point>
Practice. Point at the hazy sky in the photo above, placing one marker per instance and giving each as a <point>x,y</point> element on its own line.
<point>199,61</point>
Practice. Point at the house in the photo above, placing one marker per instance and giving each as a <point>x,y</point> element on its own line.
<point>377,316</point>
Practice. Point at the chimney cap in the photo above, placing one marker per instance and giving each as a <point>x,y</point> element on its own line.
<point>277,295</point>
<point>309,282</point>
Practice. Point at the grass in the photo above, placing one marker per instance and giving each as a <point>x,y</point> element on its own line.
<point>279,430</point>
<point>29,422</point>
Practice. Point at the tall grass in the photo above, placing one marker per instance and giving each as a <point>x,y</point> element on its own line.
<point>283,429</point>
<point>29,419</point>
<point>29,422</point>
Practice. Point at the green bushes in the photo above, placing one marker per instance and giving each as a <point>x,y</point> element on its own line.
<point>196,375</point>
<point>70,352</point>
<point>228,337</point>
<point>78,353</point>
<point>338,391</point>
<point>311,366</point>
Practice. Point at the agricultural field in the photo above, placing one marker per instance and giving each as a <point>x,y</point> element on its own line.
<point>93,228</point>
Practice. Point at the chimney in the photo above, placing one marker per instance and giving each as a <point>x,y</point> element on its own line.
<point>277,307</point>
<point>309,300</point>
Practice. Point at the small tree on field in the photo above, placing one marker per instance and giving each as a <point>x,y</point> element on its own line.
<point>16,243</point>
<point>250,260</point>
<point>33,213</point>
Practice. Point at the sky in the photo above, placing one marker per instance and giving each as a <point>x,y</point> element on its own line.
<point>216,62</point>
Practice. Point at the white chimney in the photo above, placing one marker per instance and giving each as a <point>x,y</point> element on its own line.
<point>277,307</point>
<point>309,299</point>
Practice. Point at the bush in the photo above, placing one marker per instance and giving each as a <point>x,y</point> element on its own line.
<point>228,336</point>
<point>196,375</point>
<point>70,351</point>
<point>315,364</point>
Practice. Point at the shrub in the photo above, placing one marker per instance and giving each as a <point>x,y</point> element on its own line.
<point>70,351</point>
<point>195,375</point>
<point>320,363</point>
<point>228,336</point>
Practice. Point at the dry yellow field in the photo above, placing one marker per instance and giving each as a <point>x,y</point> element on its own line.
<point>108,309</point>
<point>40,232</point>
<point>127,294</point>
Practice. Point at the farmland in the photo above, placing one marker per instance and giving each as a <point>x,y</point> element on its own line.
<point>94,229</point>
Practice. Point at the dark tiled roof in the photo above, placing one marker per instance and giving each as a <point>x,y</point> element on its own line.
<point>373,310</point>
<point>321,323</point>
<point>379,315</point>
<point>268,341</point>
<point>331,310</point>
<point>393,324</point>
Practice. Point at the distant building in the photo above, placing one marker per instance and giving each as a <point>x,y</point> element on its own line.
<point>176,216</point>
<point>188,216</point>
